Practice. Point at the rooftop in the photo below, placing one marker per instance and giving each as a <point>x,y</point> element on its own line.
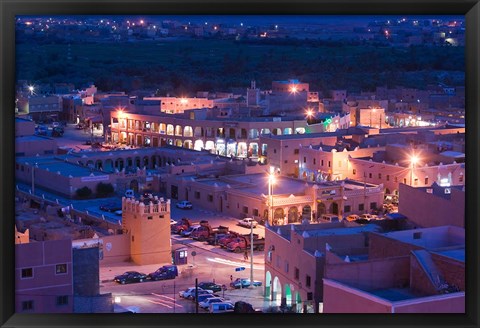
<point>53,164</point>
<point>436,238</point>
<point>394,294</point>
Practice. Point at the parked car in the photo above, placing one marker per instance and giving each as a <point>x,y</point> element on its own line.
<point>244,283</point>
<point>165,272</point>
<point>210,286</point>
<point>203,296</point>
<point>247,222</point>
<point>367,216</point>
<point>184,204</point>
<point>130,276</point>
<point>188,232</point>
<point>206,303</point>
<point>352,217</point>
<point>221,307</point>
<point>57,131</point>
<point>172,222</point>
<point>329,218</point>
<point>111,207</point>
<point>190,292</point>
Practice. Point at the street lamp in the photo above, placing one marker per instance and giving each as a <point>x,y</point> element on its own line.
<point>309,114</point>
<point>413,161</point>
<point>271,181</point>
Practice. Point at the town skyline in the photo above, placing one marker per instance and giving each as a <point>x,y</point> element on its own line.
<point>343,142</point>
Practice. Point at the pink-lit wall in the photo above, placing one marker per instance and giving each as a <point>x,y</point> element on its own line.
<point>428,210</point>
<point>116,248</point>
<point>24,127</point>
<point>342,299</point>
<point>454,303</point>
<point>339,298</point>
<point>383,247</point>
<point>373,274</point>
<point>45,285</point>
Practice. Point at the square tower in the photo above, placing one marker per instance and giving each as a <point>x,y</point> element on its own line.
<point>147,221</point>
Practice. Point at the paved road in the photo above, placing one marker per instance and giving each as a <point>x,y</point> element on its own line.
<point>210,264</point>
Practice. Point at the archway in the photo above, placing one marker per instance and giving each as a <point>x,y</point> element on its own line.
<point>277,291</point>
<point>293,214</point>
<point>170,129</point>
<point>306,212</point>
<point>178,143</point>
<point>279,216</point>
<point>298,302</point>
<point>334,208</point>
<point>178,130</point>
<point>129,163</point>
<point>188,132</point>
<point>119,164</point>
<point>268,287</point>
<point>108,165</point>
<point>98,164</point>
<point>321,209</point>
<point>139,140</point>
<point>199,145</point>
<point>188,144</point>
<point>145,162</point>
<point>210,145</point>
<point>288,295</point>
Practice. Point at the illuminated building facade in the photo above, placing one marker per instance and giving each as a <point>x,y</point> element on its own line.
<point>227,137</point>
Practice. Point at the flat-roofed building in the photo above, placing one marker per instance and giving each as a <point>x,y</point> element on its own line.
<point>433,206</point>
<point>409,271</point>
<point>291,200</point>
<point>198,129</point>
<point>44,277</point>
<point>295,260</point>
<point>29,144</point>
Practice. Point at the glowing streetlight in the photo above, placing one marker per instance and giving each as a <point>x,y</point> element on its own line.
<point>31,89</point>
<point>271,182</point>
<point>293,89</point>
<point>183,101</point>
<point>413,161</point>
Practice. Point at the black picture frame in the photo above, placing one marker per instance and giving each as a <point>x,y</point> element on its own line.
<point>10,8</point>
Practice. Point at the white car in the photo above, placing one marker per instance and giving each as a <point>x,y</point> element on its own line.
<point>247,222</point>
<point>368,217</point>
<point>190,292</point>
<point>206,304</point>
<point>172,222</point>
<point>184,204</point>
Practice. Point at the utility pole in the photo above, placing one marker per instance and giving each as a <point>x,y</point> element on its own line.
<point>251,254</point>
<point>196,295</point>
